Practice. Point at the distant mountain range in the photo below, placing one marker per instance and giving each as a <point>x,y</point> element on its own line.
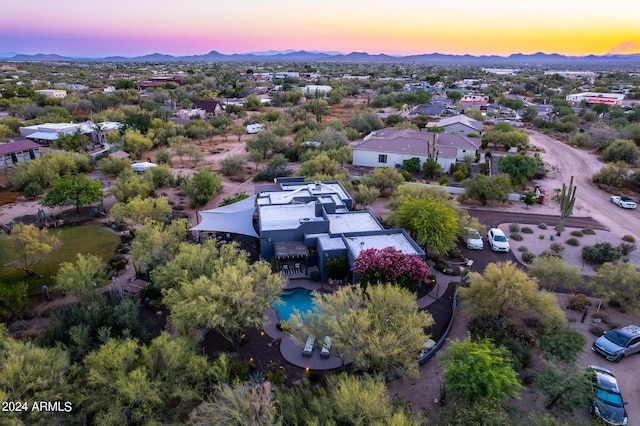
<point>315,56</point>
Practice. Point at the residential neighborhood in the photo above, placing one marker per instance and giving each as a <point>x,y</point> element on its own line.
<point>182,239</point>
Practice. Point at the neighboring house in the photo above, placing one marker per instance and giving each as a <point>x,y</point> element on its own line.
<point>390,147</point>
<point>311,90</point>
<point>46,133</point>
<point>12,153</point>
<point>435,109</point>
<point>52,93</point>
<point>460,124</point>
<point>474,101</point>
<point>211,107</point>
<point>187,114</point>
<point>300,225</point>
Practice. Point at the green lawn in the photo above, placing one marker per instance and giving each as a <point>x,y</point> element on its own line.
<point>97,240</point>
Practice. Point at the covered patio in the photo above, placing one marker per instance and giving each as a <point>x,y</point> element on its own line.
<point>292,257</point>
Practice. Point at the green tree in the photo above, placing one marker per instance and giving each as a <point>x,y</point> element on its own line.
<point>124,382</point>
<point>237,130</point>
<point>553,272</point>
<point>484,189</point>
<point>379,331</point>
<point>519,167</point>
<point>198,129</point>
<point>566,385</point>
<point>157,243</point>
<point>252,103</point>
<point>160,176</point>
<point>26,246</point>
<point>266,142</point>
<point>386,179</point>
<point>504,288</point>
<point>201,186</point>
<point>366,122</point>
<point>230,300</point>
<point>491,379</point>
<point>412,165</point>
<point>128,185</point>
<point>139,209</point>
<point>618,283</point>
<point>73,190</point>
<point>73,142</point>
<point>14,300</point>
<point>44,170</point>
<point>431,221</point>
<point>82,277</point>
<point>29,374</point>
<point>135,143</point>
<point>180,145</point>
<point>113,166</point>
<point>454,95</point>
<point>319,164</point>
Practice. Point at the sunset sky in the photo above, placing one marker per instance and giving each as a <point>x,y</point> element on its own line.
<point>90,28</point>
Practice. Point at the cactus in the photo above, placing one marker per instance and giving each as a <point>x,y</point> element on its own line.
<point>567,199</point>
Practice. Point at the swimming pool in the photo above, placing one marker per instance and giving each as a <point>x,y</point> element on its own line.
<point>299,298</point>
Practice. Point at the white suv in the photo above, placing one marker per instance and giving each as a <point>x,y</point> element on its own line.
<point>497,240</point>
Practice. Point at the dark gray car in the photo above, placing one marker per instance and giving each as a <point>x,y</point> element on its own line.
<point>607,402</point>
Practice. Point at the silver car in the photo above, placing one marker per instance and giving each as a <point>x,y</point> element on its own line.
<point>473,239</point>
<point>618,343</point>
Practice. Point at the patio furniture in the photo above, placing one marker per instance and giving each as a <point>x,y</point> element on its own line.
<point>296,268</point>
<point>285,269</point>
<point>326,347</point>
<point>308,347</point>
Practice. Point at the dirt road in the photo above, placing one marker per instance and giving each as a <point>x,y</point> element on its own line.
<point>566,161</point>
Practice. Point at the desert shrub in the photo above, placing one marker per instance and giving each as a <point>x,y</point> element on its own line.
<point>577,302</point>
<point>458,176</point>
<point>520,354</point>
<point>408,177</point>
<point>541,237</point>
<point>543,226</point>
<point>522,248</point>
<point>601,316</point>
<point>444,181</point>
<point>526,230</point>
<point>600,253</point>
<point>577,233</point>
<point>547,253</point>
<point>557,247</point>
<point>626,248</point>
<point>514,227</point>
<point>516,236</point>
<point>528,256</point>
<point>588,231</point>
<point>597,330</point>
<point>573,242</point>
<point>629,238</point>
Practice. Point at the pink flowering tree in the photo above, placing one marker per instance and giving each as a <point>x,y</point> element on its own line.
<point>390,265</point>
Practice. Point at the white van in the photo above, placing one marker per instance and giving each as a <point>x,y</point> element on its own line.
<point>254,128</point>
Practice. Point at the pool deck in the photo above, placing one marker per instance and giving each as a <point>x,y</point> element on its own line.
<point>292,351</point>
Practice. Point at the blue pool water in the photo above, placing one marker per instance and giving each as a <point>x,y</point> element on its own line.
<point>298,298</point>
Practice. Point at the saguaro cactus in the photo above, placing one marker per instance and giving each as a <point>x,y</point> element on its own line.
<point>567,199</point>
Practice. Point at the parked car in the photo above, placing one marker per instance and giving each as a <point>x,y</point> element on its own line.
<point>607,402</point>
<point>618,343</point>
<point>472,239</point>
<point>624,202</point>
<point>497,240</point>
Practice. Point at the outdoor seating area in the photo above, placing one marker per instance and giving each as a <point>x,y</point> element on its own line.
<point>291,269</point>
<point>326,347</point>
<point>308,347</point>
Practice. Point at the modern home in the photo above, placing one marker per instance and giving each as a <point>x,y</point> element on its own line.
<point>596,98</point>
<point>459,124</point>
<point>300,225</point>
<point>12,153</point>
<point>53,93</point>
<point>46,133</point>
<point>390,147</point>
<point>474,101</point>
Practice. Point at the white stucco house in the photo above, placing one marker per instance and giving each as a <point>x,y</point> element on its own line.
<point>390,147</point>
<point>460,124</point>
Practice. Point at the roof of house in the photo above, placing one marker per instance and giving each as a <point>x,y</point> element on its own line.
<point>413,142</point>
<point>458,119</point>
<point>209,105</point>
<point>18,146</point>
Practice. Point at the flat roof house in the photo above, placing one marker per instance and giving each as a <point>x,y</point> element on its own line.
<point>390,147</point>
<point>300,225</point>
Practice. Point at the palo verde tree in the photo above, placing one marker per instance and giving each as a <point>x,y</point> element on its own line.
<point>566,199</point>
<point>26,246</point>
<point>379,330</point>
<point>230,299</point>
<point>80,278</point>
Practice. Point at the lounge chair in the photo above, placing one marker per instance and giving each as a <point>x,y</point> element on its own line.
<point>308,347</point>
<point>326,347</point>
